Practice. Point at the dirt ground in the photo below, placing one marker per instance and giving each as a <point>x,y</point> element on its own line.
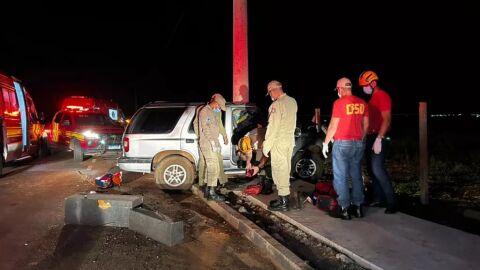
<point>209,242</point>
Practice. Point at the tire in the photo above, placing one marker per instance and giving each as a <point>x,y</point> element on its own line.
<point>174,172</point>
<point>43,149</point>
<point>307,166</point>
<point>1,165</point>
<point>78,154</point>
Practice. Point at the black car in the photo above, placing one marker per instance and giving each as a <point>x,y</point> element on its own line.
<point>307,161</point>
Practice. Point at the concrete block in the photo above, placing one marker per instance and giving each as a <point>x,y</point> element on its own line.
<point>129,201</point>
<point>156,226</point>
<point>100,209</point>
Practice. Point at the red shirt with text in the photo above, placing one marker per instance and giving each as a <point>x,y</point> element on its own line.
<point>350,110</point>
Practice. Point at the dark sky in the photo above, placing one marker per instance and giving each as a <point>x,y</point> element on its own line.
<point>181,50</point>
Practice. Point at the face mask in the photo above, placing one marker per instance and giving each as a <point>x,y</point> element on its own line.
<point>217,110</point>
<point>368,90</point>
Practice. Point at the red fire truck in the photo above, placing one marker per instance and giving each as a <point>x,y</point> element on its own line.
<point>21,129</point>
<point>87,126</point>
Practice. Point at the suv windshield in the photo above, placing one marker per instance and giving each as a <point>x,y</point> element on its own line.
<point>93,120</point>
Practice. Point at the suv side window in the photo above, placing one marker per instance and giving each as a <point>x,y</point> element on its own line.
<point>191,128</point>
<point>156,120</point>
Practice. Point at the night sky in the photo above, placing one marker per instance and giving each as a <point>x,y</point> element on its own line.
<point>181,51</point>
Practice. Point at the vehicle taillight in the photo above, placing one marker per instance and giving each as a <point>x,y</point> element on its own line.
<point>126,144</point>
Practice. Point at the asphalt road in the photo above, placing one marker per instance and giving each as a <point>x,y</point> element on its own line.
<point>33,234</point>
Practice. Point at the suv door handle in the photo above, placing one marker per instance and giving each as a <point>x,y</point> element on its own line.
<point>190,140</point>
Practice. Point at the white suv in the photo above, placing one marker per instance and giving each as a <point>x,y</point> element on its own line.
<point>160,139</point>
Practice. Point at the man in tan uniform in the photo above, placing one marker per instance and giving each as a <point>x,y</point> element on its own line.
<point>279,142</point>
<point>222,178</point>
<point>208,132</point>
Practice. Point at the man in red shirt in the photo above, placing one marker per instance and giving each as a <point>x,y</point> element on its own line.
<point>348,126</point>
<point>380,115</point>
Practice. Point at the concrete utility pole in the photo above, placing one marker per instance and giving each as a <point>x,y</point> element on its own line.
<point>240,52</point>
<point>422,121</point>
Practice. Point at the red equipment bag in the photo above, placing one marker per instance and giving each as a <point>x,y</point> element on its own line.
<point>325,188</point>
<point>253,189</point>
<point>326,198</point>
<point>327,203</point>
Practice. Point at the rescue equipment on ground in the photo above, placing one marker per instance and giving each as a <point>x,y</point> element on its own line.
<point>104,181</point>
<point>253,189</point>
<point>108,180</point>
<point>325,198</point>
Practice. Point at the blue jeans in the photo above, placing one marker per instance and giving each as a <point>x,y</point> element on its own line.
<point>347,157</point>
<point>382,184</point>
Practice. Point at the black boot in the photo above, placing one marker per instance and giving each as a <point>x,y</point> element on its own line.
<point>203,189</point>
<point>344,214</point>
<point>279,205</point>
<point>391,209</point>
<point>266,186</point>
<point>276,201</point>
<point>213,196</point>
<point>356,211</point>
<point>218,188</point>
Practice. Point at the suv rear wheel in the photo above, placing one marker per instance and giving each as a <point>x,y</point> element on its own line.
<point>174,172</point>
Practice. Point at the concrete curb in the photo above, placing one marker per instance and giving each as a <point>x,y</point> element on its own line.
<point>100,209</point>
<point>157,226</point>
<point>355,257</point>
<point>282,257</point>
<point>122,211</point>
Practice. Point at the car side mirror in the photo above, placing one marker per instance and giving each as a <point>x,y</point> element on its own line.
<point>298,132</point>
<point>66,123</point>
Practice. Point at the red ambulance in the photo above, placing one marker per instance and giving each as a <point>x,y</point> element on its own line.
<point>87,126</point>
<point>21,129</point>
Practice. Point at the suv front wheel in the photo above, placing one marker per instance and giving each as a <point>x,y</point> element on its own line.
<point>174,172</point>
<point>78,153</point>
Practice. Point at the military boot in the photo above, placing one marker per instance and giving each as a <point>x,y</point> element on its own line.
<point>203,189</point>
<point>280,205</point>
<point>356,211</point>
<point>213,196</point>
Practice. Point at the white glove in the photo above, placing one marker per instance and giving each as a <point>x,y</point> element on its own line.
<point>225,140</point>
<point>264,154</point>
<point>325,149</point>
<point>377,146</point>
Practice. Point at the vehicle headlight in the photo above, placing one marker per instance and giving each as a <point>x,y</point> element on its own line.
<point>90,135</point>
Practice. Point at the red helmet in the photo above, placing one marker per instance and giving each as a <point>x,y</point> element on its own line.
<point>367,77</point>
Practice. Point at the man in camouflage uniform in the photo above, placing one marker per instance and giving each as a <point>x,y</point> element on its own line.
<point>208,132</point>
<point>222,178</point>
<point>279,142</point>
